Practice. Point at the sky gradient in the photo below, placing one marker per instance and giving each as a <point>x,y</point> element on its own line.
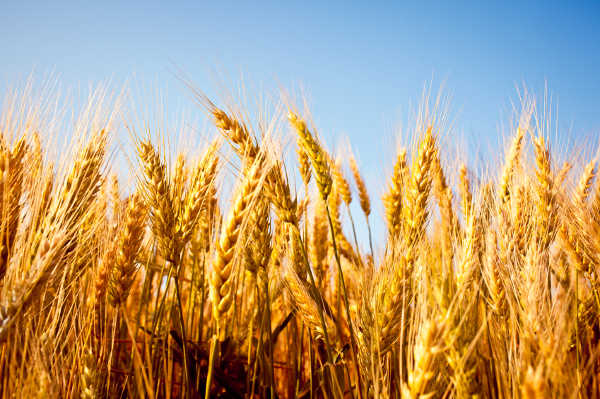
<point>360,64</point>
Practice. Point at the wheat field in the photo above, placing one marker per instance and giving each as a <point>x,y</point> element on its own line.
<point>225,271</point>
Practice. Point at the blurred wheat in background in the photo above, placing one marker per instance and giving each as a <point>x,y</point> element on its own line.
<point>225,271</point>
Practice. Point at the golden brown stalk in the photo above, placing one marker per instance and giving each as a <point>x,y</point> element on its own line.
<point>533,292</point>
<point>545,201</point>
<point>276,187</point>
<point>493,276</point>
<point>462,316</point>
<point>415,210</point>
<point>128,246</point>
<point>84,181</point>
<point>448,218</point>
<point>577,247</point>
<point>318,247</point>
<point>197,199</point>
<point>205,228</point>
<point>340,182</point>
<point>180,174</point>
<point>523,215</point>
<point>222,281</point>
<point>114,195</point>
<point>303,164</point>
<point>394,197</point>
<point>89,373</point>
<point>278,192</point>
<point>385,304</point>
<point>278,246</point>
<point>46,184</point>
<point>468,265</point>
<point>35,159</point>
<point>426,349</point>
<point>101,281</point>
<point>533,385</point>
<point>158,198</point>
<point>301,208</point>
<point>382,309</point>
<point>562,173</point>
<point>363,194</point>
<point>510,165</point>
<point>465,192</point>
<point>308,308</point>
<point>258,249</point>
<point>238,134</point>
<point>46,265</point>
<point>585,185</point>
<point>75,203</point>
<point>315,153</point>
<point>11,170</point>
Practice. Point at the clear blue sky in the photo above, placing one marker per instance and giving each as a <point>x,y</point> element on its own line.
<point>361,64</point>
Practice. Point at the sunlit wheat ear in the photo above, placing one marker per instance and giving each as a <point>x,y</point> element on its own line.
<point>465,192</point>
<point>510,165</point>
<point>381,310</point>
<point>318,243</point>
<point>363,194</point>
<point>428,345</point>
<point>533,385</point>
<point>468,265</point>
<point>493,276</point>
<point>222,283</point>
<point>301,208</point>
<point>89,375</point>
<point>128,246</point>
<point>545,201</point>
<point>197,198</point>
<point>448,218</point>
<point>303,163</point>
<point>339,180</point>
<point>277,190</point>
<point>114,195</point>
<point>344,247</point>
<point>157,194</point>
<point>316,155</point>
<point>307,307</point>
<point>278,247</point>
<point>11,181</point>
<point>579,250</point>
<point>83,183</point>
<point>595,202</point>
<point>585,185</point>
<point>258,249</point>
<point>238,134</point>
<point>45,268</point>
<point>415,212</point>
<point>36,157</point>
<point>562,173</point>
<point>392,200</point>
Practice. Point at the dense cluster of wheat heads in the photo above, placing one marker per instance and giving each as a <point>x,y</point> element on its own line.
<point>174,284</point>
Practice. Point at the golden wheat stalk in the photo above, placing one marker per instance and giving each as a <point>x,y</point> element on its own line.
<point>316,155</point>
<point>127,248</point>
<point>222,281</point>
